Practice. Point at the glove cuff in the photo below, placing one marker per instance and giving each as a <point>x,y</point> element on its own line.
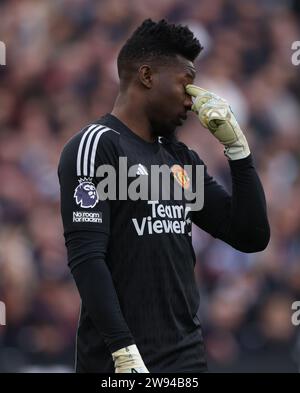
<point>237,150</point>
<point>128,358</point>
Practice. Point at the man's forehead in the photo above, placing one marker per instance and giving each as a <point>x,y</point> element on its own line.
<point>186,66</point>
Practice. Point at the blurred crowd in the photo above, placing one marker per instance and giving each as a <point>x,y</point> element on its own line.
<point>60,75</point>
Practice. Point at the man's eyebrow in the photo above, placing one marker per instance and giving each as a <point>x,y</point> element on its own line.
<point>191,73</point>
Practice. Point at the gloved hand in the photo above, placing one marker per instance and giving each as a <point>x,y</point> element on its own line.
<point>215,114</point>
<point>129,360</point>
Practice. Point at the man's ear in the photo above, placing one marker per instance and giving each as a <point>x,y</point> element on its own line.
<point>146,76</point>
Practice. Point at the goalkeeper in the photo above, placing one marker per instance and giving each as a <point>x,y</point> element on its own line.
<point>135,275</point>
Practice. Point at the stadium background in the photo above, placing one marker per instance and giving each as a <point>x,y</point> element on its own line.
<point>60,75</point>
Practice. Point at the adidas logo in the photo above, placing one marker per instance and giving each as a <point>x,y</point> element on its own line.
<point>141,170</point>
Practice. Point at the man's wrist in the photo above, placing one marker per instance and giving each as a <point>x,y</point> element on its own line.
<point>121,343</point>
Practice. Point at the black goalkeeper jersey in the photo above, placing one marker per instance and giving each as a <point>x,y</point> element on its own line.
<point>146,245</point>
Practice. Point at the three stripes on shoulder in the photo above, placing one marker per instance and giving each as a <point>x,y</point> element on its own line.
<point>87,149</point>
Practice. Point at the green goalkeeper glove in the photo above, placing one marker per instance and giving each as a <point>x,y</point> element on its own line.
<point>215,114</point>
<point>129,360</point>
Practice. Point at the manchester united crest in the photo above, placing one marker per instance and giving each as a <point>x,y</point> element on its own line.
<point>181,176</point>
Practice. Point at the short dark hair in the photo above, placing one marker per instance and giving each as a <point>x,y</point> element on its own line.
<point>158,41</point>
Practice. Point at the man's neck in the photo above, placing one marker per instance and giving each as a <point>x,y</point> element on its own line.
<point>133,117</point>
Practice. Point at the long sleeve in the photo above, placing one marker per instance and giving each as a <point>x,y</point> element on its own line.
<point>86,252</point>
<point>239,219</point>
